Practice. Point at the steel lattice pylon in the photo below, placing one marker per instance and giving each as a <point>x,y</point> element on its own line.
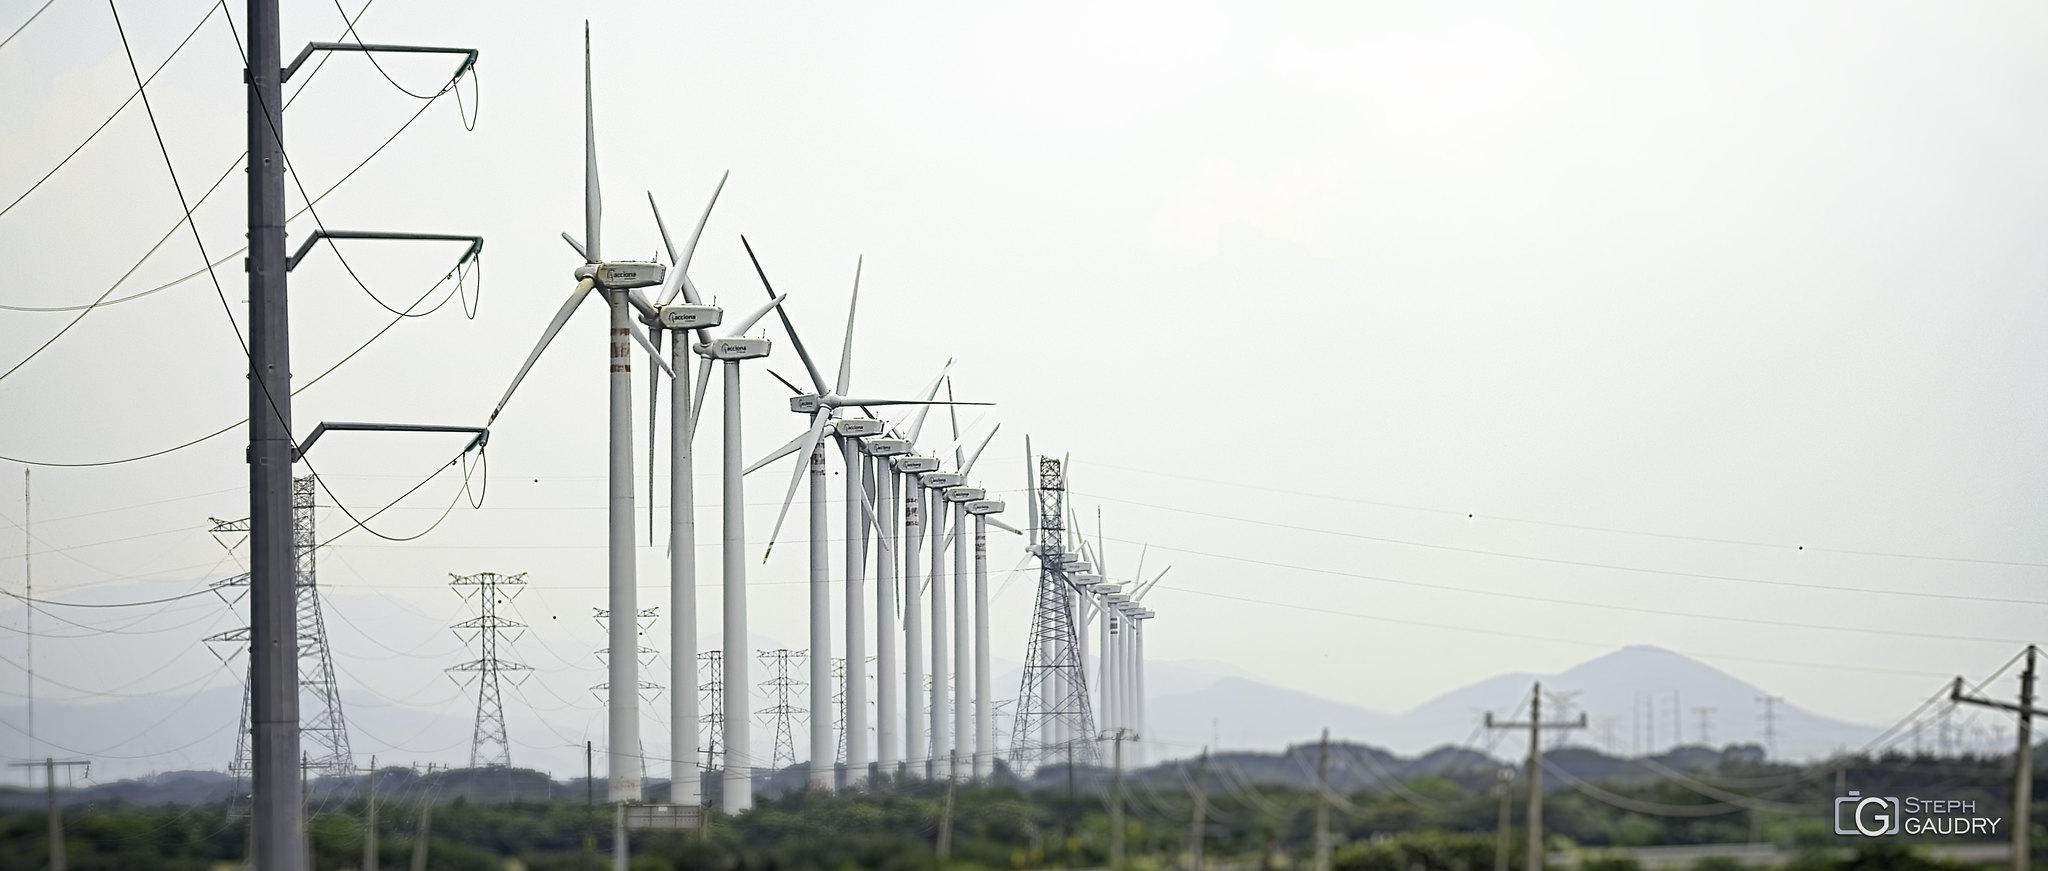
<point>489,747</point>
<point>839,705</point>
<point>321,724</point>
<point>782,687</point>
<point>1053,715</point>
<point>711,687</point>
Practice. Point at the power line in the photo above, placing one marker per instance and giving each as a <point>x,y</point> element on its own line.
<point>1531,636</point>
<point>1566,562</point>
<point>25,24</point>
<point>1578,526</point>
<point>1585,604</point>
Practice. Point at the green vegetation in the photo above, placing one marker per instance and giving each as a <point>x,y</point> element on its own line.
<point>1432,824</point>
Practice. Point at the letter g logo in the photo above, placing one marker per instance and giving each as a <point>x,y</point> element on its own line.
<point>1880,823</point>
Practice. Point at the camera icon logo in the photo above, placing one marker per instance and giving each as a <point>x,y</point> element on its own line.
<point>1868,815</point>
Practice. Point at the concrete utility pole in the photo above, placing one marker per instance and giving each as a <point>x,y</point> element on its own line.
<point>1500,839</point>
<point>1536,727</point>
<point>49,767</point>
<point>1201,812</point>
<point>946,827</point>
<point>426,832</point>
<point>2023,759</point>
<point>1323,803</point>
<point>370,822</point>
<point>278,812</point>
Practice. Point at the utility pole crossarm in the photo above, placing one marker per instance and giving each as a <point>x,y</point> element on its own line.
<point>483,433</point>
<point>468,61</point>
<point>476,243</point>
<point>1957,695</point>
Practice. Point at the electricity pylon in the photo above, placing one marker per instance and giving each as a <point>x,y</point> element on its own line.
<point>711,683</point>
<point>782,688</point>
<point>322,725</point>
<point>489,747</point>
<point>1053,715</point>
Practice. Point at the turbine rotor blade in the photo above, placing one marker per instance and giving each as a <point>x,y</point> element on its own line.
<point>654,353</point>
<point>593,207</point>
<point>690,247</point>
<point>748,322</point>
<point>787,327</point>
<point>846,350</point>
<point>953,414</point>
<point>580,252</point>
<point>653,407</point>
<point>803,466</point>
<point>930,390</point>
<point>1004,526</point>
<point>697,401</point>
<point>788,447</point>
<point>785,382</point>
<point>666,242</point>
<point>978,449</point>
<point>554,326</point>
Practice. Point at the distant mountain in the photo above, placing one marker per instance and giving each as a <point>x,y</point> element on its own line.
<point>1630,692</point>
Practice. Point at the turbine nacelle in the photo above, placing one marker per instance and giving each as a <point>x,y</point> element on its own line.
<point>622,275</point>
<point>1110,591</point>
<point>884,447</point>
<point>807,403</point>
<point>735,348</point>
<point>855,427</point>
<point>965,494</point>
<point>1078,566</point>
<point>985,506</point>
<point>916,465</point>
<point>940,480</point>
<point>690,317</point>
<point>1087,580</point>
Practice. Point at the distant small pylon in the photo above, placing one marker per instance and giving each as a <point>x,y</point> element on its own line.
<point>489,745</point>
<point>711,686</point>
<point>782,688</point>
<point>839,705</point>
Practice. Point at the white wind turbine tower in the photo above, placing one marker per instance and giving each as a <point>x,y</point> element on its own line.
<point>902,476</point>
<point>953,747</point>
<point>972,703</point>
<point>731,349</point>
<point>617,280</point>
<point>856,437</point>
<point>685,778</point>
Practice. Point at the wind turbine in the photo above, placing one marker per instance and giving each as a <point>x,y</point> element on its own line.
<point>685,778</point>
<point>731,349</point>
<point>971,702</point>
<point>856,437</point>
<point>617,280</point>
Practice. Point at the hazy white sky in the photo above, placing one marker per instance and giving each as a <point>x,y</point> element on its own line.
<point>1380,323</point>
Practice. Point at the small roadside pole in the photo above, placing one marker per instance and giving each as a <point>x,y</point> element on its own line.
<point>1201,812</point>
<point>946,827</point>
<point>1323,803</point>
<point>1536,727</point>
<point>49,767</point>
<point>1500,838</point>
<point>1116,806</point>
<point>370,822</point>
<point>2023,760</point>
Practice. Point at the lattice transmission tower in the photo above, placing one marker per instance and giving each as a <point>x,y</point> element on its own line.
<point>323,728</point>
<point>711,689</point>
<point>839,706</point>
<point>783,690</point>
<point>1054,719</point>
<point>489,746</point>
